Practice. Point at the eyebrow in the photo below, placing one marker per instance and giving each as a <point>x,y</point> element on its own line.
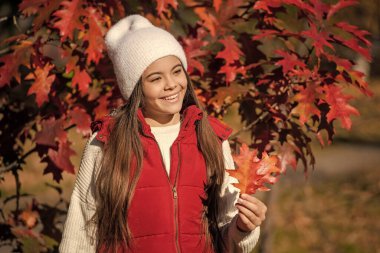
<point>179,64</point>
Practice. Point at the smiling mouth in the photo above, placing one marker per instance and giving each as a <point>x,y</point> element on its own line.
<point>171,98</point>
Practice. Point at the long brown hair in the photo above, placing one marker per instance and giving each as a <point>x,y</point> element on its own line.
<point>118,174</point>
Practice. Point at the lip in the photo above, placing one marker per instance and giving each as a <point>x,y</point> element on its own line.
<point>174,94</point>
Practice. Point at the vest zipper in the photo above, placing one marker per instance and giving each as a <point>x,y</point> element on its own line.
<point>175,196</point>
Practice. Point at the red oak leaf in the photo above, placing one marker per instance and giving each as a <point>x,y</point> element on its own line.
<point>289,61</point>
<point>69,17</point>
<point>30,7</point>
<point>29,217</point>
<point>265,33</point>
<point>193,50</point>
<point>45,13</point>
<point>320,39</point>
<point>209,20</point>
<point>354,45</point>
<point>339,108</point>
<point>231,51</point>
<point>71,61</point>
<point>231,72</point>
<point>340,5</point>
<point>320,9</point>
<point>264,5</point>
<point>61,158</point>
<point>216,4</point>
<point>81,119</point>
<point>19,56</point>
<point>94,35</point>
<point>117,5</point>
<point>52,130</point>
<point>42,83</point>
<point>102,108</point>
<point>345,63</point>
<point>304,6</point>
<point>287,157</point>
<point>82,80</point>
<point>253,173</point>
<point>163,5</point>
<point>359,79</point>
<point>355,31</point>
<point>227,10</point>
<point>231,92</point>
<point>306,99</point>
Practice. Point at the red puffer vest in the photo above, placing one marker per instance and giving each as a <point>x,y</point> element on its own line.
<point>165,214</point>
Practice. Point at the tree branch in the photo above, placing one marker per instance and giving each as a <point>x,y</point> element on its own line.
<point>262,116</point>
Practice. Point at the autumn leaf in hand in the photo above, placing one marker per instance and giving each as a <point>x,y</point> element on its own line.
<point>253,173</point>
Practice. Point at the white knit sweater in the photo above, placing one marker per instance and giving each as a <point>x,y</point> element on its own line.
<point>76,239</point>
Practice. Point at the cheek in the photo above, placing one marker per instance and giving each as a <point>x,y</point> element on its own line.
<point>150,92</point>
<point>183,82</point>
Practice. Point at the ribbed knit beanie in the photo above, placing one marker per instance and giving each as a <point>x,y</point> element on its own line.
<point>133,43</point>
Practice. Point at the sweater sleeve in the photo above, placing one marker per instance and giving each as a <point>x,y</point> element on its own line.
<point>236,241</point>
<point>78,232</point>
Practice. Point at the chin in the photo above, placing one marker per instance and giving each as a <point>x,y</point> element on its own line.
<point>171,109</point>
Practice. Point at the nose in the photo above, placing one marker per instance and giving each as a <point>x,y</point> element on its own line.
<point>171,83</point>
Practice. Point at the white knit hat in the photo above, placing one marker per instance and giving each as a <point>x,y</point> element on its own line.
<point>133,44</point>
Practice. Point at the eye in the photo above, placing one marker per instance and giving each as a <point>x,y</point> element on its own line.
<point>155,79</point>
<point>178,71</point>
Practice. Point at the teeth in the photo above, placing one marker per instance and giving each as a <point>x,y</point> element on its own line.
<point>171,97</point>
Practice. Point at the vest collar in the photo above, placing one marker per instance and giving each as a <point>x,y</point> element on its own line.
<point>189,116</point>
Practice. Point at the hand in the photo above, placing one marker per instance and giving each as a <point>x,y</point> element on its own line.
<point>251,213</point>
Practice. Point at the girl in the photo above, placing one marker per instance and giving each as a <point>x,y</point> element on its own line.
<point>152,177</point>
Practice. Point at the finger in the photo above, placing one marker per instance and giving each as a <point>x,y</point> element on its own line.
<point>258,209</point>
<point>244,223</point>
<point>252,199</point>
<point>248,214</point>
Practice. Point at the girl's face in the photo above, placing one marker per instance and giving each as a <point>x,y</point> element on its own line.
<point>164,86</point>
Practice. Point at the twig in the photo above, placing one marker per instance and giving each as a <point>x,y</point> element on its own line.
<point>262,116</point>
<point>17,162</point>
<point>16,24</point>
<point>3,19</point>
<point>18,188</point>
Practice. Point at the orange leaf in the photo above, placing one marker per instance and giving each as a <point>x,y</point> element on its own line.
<point>232,92</point>
<point>61,158</point>
<point>102,109</point>
<point>42,83</point>
<point>253,173</point>
<point>231,52</point>
<point>216,4</point>
<point>339,108</point>
<point>192,47</point>
<point>163,5</point>
<point>82,80</point>
<point>45,13</point>
<point>30,7</point>
<point>289,61</point>
<point>340,5</point>
<point>52,130</point>
<point>209,21</point>
<point>286,155</point>
<point>20,56</point>
<point>306,99</point>
<point>29,217</point>
<point>81,119</point>
<point>69,18</point>
<point>231,72</point>
<point>94,35</point>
